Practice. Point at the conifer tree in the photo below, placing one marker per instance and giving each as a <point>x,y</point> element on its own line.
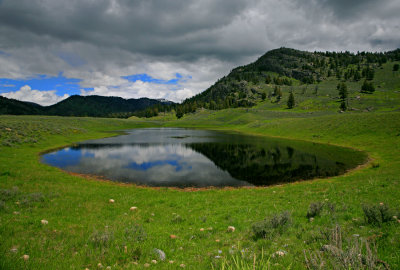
<point>291,101</point>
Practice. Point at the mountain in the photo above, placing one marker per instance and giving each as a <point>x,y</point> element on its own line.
<point>16,107</point>
<point>98,106</point>
<point>95,106</point>
<point>284,70</point>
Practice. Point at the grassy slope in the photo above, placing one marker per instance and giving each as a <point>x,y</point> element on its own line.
<point>84,229</point>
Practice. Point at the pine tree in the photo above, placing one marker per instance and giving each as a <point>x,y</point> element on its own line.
<point>343,105</point>
<point>291,101</point>
<point>343,94</point>
<point>263,96</point>
<point>179,112</point>
<point>368,87</point>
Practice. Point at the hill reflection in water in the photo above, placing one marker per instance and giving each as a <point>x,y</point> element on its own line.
<point>200,158</point>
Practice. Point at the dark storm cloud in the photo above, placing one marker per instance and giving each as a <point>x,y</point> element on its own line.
<point>149,27</point>
<point>101,42</point>
<point>183,29</point>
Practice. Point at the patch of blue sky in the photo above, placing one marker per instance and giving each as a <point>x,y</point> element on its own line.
<point>65,157</point>
<point>151,164</point>
<point>41,82</point>
<point>147,78</point>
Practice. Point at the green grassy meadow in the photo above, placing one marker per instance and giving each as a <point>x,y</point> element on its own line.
<point>85,229</point>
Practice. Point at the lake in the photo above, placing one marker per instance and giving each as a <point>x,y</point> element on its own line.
<point>177,157</point>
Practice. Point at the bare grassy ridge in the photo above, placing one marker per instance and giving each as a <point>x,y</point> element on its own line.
<point>85,229</point>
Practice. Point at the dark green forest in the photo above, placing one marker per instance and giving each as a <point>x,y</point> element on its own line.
<point>94,106</point>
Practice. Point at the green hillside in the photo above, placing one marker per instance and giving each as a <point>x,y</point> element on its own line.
<point>312,77</point>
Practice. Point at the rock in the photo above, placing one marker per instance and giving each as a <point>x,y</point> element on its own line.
<point>280,253</point>
<point>171,262</point>
<point>161,254</point>
<point>133,208</point>
<point>395,217</point>
<point>16,213</point>
<point>202,229</point>
<point>381,203</point>
<point>146,265</point>
<point>154,261</point>
<point>173,236</point>
<point>311,219</point>
<point>44,222</point>
<point>99,265</point>
<point>25,257</point>
<point>125,249</point>
<point>217,240</point>
<point>231,229</point>
<point>111,201</point>
<point>108,268</point>
<point>14,249</point>
<point>182,265</point>
<point>218,257</point>
<point>209,229</point>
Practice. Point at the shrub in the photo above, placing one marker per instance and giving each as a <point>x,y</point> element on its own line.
<point>30,199</point>
<point>377,214</point>
<point>268,227</point>
<point>101,239</point>
<point>359,254</point>
<point>177,219</point>
<point>9,194</point>
<point>135,233</point>
<point>314,209</point>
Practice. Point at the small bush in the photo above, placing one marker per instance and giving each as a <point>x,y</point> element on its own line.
<point>9,194</point>
<point>30,199</point>
<point>268,227</point>
<point>377,214</point>
<point>314,209</point>
<point>177,219</point>
<point>101,239</point>
<point>358,254</point>
<point>135,233</point>
<point>375,165</point>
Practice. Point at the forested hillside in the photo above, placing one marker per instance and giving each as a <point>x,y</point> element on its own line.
<point>95,106</point>
<point>313,78</point>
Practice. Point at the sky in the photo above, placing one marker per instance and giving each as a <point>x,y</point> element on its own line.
<point>52,49</point>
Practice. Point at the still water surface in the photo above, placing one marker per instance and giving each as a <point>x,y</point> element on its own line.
<point>176,157</point>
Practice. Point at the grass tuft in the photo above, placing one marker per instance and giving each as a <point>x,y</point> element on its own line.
<point>269,226</point>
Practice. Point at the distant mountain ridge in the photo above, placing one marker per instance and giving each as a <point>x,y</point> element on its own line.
<point>94,106</point>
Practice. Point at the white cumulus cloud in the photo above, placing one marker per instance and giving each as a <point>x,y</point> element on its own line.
<point>45,98</point>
